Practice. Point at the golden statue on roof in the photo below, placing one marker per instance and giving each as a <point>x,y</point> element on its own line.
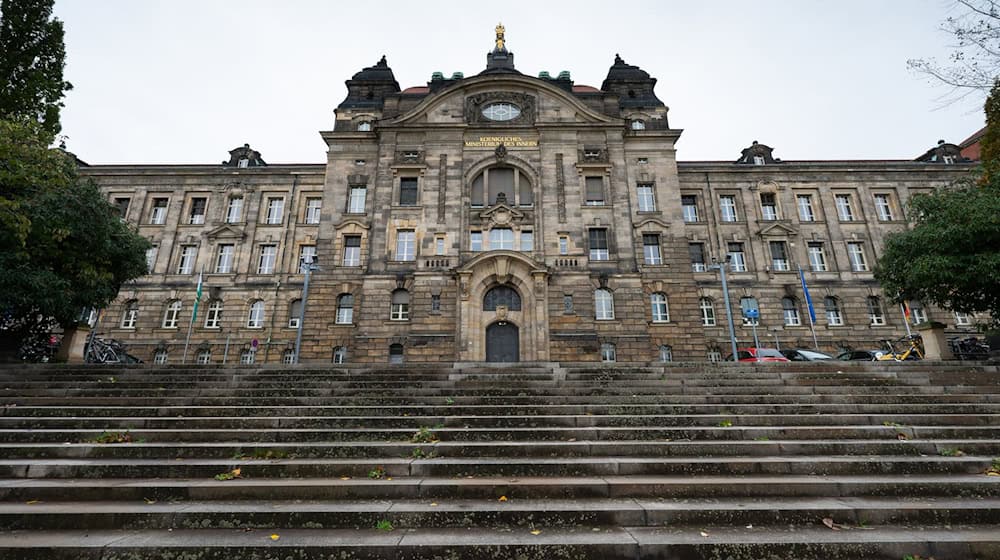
<point>500,41</point>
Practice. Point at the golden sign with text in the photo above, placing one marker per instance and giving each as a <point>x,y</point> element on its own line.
<point>507,141</point>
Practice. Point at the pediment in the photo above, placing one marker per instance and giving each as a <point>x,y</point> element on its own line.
<point>225,231</point>
<point>651,221</point>
<point>354,223</point>
<point>501,214</point>
<point>777,229</point>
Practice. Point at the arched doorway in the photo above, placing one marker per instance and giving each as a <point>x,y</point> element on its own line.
<point>502,342</point>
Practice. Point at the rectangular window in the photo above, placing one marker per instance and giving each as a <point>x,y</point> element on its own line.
<point>707,312</point>
<point>689,208</point>
<point>727,208</point>
<point>883,207</point>
<point>159,214</point>
<point>476,241</point>
<point>356,201</point>
<point>768,206</point>
<point>779,255</point>
<point>856,252</point>
<point>234,212</point>
<point>527,241</point>
<point>121,205</point>
<point>845,211</point>
<point>268,256</point>
<point>647,203</point>
<point>439,245</point>
<point>595,191</point>
<point>697,252</point>
<point>563,245</point>
<point>806,208</point>
<point>568,304</point>
<point>151,258</point>
<point>224,258</point>
<point>213,315</point>
<point>197,216</point>
<point>651,249</point>
<point>435,303</point>
<point>501,239</point>
<point>275,211</point>
<point>875,315</point>
<point>313,208</point>
<point>185,265</point>
<point>598,238</point>
<point>352,250</point>
<point>408,191</point>
<point>307,256</point>
<point>737,259</point>
<point>759,160</point>
<point>962,319</point>
<point>817,258</point>
<point>406,245</point>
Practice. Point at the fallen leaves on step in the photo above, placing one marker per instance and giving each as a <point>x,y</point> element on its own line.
<point>901,437</point>
<point>275,536</point>
<point>345,478</point>
<point>434,504</point>
<point>703,533</point>
<point>502,499</point>
<point>536,532</point>
<point>149,501</point>
<point>235,473</point>
<point>834,526</point>
<point>32,502</point>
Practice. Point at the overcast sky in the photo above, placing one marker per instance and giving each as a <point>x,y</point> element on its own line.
<point>184,81</point>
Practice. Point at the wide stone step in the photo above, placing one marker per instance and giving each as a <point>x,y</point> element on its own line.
<point>260,464</point>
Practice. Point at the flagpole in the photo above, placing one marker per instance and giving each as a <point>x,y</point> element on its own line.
<point>906,319</point>
<point>809,307</point>
<point>194,314</point>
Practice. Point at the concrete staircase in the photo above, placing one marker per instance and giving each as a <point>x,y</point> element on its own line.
<point>533,461</point>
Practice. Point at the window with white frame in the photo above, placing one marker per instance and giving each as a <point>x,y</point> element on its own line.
<point>294,313</point>
<point>352,250</point>
<point>651,249</point>
<point>666,353</point>
<point>234,210</point>
<point>790,310</point>
<point>267,258</point>
<point>834,317</point>
<point>255,315</point>
<point>856,253</point>
<point>340,354</point>
<point>768,206</point>
<point>151,258</point>
<point>160,357</point>
<point>243,163</point>
<point>817,258</point>
<point>779,255</point>
<point>659,308</point>
<point>224,258</point>
<point>563,245</point>
<point>714,356</point>
<point>204,357</point>
<point>307,256</point>
<point>647,202</point>
<point>527,241</point>
<point>876,316</point>
<point>748,304</point>
<point>197,216</point>
<point>608,353</point>
<point>314,207</point>
<point>345,309</point>
<point>501,239</point>
<point>185,264</point>
<point>962,319</point>
<point>918,313</point>
<point>604,305</point>
<point>845,208</point>
<point>399,308</point>
<point>356,200</point>
<point>248,356</point>
<point>213,315</point>
<point>158,215</point>
<point>883,207</point>
<point>689,208</point>
<point>364,126</point>
<point>598,242</point>
<point>638,125</point>
<point>275,210</point>
<point>727,208</point>
<point>697,253</point>
<point>439,245</point>
<point>475,241</point>
<point>805,204</point>
<point>737,258</point>
<point>288,356</point>
<point>759,160</point>
<point>707,308</point>
<point>406,245</point>
<point>130,315</point>
<point>172,315</point>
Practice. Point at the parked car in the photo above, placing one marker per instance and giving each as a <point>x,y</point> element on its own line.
<point>805,355</point>
<point>752,354</point>
<point>860,355</point>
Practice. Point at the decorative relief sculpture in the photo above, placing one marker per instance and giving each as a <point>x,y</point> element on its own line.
<point>474,105</point>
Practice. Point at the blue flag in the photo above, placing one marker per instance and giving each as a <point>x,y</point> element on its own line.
<point>809,301</point>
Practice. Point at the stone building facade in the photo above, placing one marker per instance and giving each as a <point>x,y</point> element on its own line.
<point>508,217</point>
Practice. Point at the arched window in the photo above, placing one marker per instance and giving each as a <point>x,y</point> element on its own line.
<point>213,315</point>
<point>790,309</point>
<point>255,316</point>
<point>502,295</point>
<point>748,303</point>
<point>294,313</point>
<point>172,314</point>
<point>345,309</point>
<point>340,354</point>
<point>395,353</point>
<point>604,305</point>
<point>399,310</point>
<point>514,185</point>
<point>833,315</point>
<point>666,353</point>
<point>875,314</point>
<point>131,315</point>
<point>707,308</point>
<point>661,312</point>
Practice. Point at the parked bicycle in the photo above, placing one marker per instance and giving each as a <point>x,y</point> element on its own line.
<point>969,348</point>
<point>109,352</point>
<point>913,349</point>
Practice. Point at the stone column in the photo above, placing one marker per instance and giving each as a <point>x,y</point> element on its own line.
<point>935,344</point>
<point>73,343</point>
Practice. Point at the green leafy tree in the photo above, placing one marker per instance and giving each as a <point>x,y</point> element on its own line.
<point>32,58</point>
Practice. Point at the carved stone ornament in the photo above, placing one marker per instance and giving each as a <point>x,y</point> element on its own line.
<point>474,108</point>
<point>501,152</point>
<point>409,156</point>
<point>501,312</point>
<point>592,154</point>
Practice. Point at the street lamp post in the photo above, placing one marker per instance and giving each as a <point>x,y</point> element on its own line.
<point>721,267</point>
<point>309,265</point>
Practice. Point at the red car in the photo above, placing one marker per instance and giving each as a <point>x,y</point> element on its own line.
<point>752,355</point>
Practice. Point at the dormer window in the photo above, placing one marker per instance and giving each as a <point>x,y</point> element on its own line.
<point>638,125</point>
<point>243,162</point>
<point>949,160</point>
<point>364,126</point>
<point>758,160</point>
